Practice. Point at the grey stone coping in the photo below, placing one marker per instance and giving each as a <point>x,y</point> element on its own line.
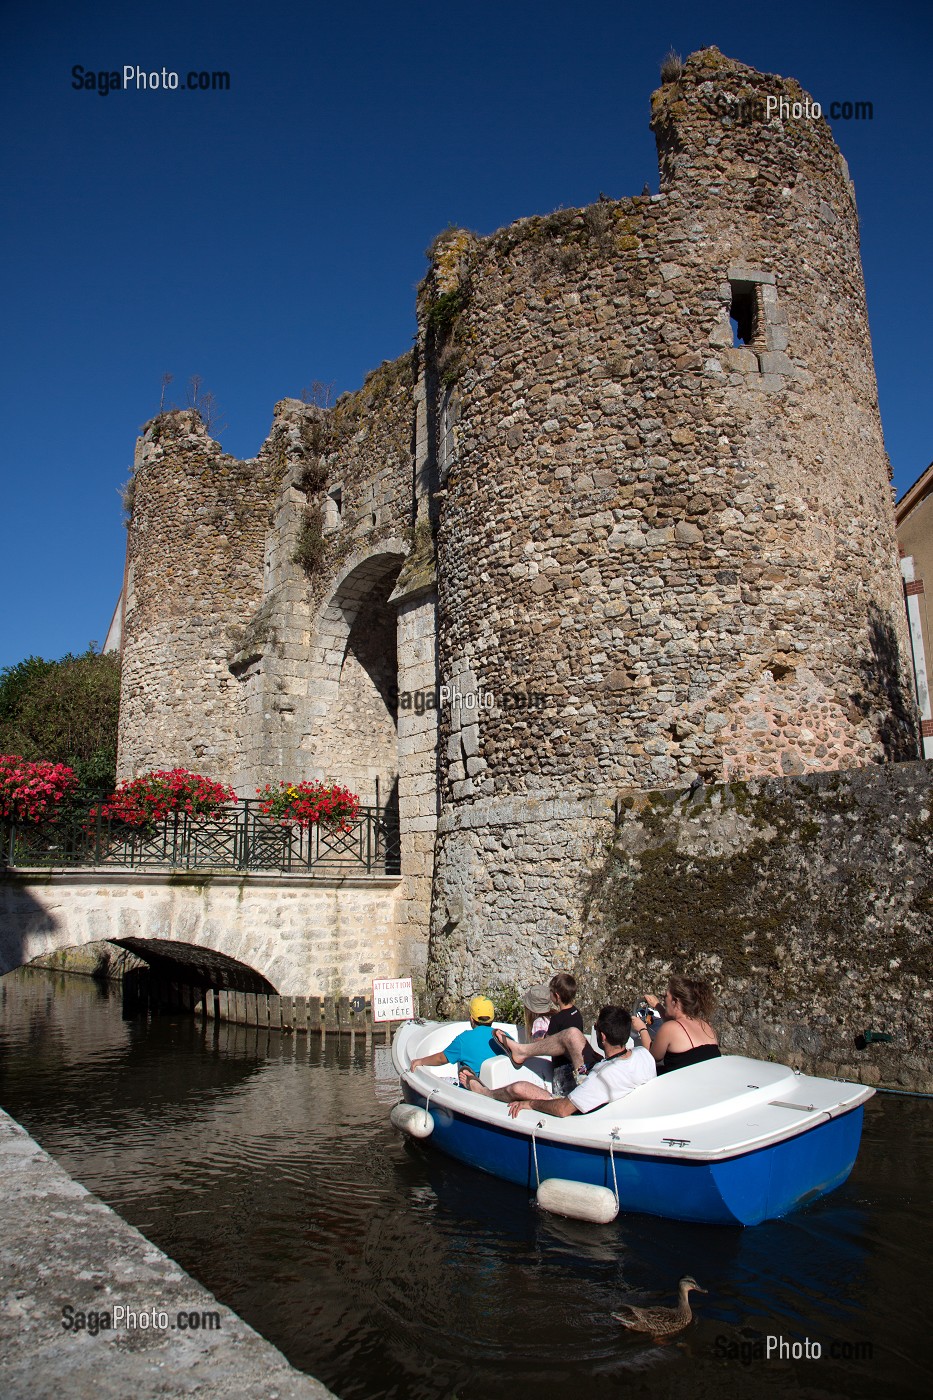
<point>524,809</point>
<point>98,874</point>
<point>62,1247</point>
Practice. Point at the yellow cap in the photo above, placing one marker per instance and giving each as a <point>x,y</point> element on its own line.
<point>482,1011</point>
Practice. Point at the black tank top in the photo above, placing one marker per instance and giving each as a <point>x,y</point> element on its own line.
<point>679,1059</point>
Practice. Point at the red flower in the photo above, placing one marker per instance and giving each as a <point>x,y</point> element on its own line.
<point>152,796</point>
<point>29,791</point>
<point>304,804</point>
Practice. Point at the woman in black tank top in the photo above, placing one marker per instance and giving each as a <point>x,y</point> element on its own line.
<point>686,1036</point>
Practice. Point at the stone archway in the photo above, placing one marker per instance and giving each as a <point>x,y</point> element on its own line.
<point>362,604</point>
<point>353,701</point>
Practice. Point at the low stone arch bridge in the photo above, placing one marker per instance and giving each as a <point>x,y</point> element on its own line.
<point>297,936</point>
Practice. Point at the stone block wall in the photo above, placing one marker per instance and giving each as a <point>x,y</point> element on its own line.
<point>509,891</point>
<point>807,902</point>
<point>417,759</point>
<point>234,654</point>
<point>305,937</point>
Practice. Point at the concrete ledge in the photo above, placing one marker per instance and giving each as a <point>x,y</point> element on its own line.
<point>60,1246</point>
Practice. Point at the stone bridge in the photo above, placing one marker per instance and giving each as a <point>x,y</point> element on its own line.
<point>298,936</point>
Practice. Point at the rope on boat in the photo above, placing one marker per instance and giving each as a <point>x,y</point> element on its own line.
<point>534,1149</point>
<point>613,1139</point>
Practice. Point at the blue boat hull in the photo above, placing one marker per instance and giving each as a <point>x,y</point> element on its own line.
<point>741,1190</point>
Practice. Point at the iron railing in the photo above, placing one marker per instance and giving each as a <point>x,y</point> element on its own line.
<point>240,838</point>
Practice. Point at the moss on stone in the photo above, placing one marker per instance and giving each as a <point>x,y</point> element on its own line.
<point>419,571</point>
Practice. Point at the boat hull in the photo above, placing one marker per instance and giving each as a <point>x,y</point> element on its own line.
<point>745,1189</point>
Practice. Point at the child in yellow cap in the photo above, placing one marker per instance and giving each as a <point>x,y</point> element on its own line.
<point>470,1047</point>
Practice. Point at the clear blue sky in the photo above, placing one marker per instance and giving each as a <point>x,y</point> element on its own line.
<point>273,235</point>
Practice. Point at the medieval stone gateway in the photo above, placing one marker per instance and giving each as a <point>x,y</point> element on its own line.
<point>633,468</point>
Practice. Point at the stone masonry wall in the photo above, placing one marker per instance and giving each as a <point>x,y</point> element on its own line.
<point>417,761</point>
<point>361,450</point>
<point>687,548</point>
<point>509,891</point>
<point>227,639</point>
<point>194,570</point>
<point>807,902</point>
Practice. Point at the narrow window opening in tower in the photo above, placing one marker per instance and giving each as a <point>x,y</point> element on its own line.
<point>447,446</point>
<point>743,314</point>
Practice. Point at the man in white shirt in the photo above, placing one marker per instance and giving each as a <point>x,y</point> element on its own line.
<point>619,1072</point>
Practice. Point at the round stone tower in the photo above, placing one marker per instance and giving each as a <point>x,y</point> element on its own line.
<point>664,526</point>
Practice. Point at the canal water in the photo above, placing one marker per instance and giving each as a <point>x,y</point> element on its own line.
<point>264,1164</point>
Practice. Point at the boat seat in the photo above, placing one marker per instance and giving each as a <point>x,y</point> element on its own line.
<point>498,1071</point>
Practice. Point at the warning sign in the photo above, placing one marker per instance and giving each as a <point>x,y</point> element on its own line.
<point>393,999</point>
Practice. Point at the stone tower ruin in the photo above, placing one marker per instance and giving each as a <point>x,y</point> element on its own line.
<point>622,521</point>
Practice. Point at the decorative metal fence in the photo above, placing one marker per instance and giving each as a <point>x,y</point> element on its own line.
<point>241,838</point>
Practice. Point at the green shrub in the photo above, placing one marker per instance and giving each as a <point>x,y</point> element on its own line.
<point>312,477</point>
<point>445,310</point>
<point>128,499</point>
<point>310,547</point>
<point>508,1003</point>
<point>65,712</point>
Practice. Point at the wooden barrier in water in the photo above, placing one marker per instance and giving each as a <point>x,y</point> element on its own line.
<point>267,1011</point>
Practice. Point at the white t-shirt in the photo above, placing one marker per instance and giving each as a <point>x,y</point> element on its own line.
<point>613,1079</point>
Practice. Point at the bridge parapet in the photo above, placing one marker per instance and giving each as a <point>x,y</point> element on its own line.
<point>306,935</point>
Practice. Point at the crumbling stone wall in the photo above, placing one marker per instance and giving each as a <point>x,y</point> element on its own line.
<point>194,571</point>
<point>226,662</point>
<point>304,685</point>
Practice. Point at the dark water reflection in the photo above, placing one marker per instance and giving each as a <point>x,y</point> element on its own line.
<point>265,1165</point>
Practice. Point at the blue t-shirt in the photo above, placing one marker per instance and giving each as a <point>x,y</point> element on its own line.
<point>472,1047</point>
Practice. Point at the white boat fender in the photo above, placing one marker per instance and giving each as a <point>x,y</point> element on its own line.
<point>577,1199</point>
<point>409,1118</point>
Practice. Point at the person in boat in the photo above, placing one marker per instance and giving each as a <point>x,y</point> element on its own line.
<point>538,1005</point>
<point>616,1073</point>
<point>686,1036</point>
<point>469,1048</point>
<point>572,1055</point>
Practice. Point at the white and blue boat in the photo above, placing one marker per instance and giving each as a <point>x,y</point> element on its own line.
<point>732,1141</point>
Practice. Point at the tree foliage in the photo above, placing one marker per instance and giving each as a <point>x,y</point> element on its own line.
<point>65,712</point>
